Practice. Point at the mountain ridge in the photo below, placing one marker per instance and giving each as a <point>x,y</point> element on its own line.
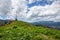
<point>51,24</point>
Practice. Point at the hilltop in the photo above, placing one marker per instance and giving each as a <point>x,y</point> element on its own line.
<point>18,30</point>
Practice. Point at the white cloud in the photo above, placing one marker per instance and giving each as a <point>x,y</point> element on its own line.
<point>19,8</point>
<point>11,8</point>
<point>31,1</point>
<point>4,7</point>
<point>47,12</point>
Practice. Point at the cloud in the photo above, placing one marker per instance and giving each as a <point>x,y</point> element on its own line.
<point>4,8</point>
<point>48,12</point>
<point>9,9</point>
<point>31,1</point>
<point>19,7</point>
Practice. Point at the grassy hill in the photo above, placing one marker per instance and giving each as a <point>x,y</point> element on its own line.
<point>18,30</point>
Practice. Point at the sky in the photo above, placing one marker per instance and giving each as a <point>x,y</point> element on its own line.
<point>30,10</point>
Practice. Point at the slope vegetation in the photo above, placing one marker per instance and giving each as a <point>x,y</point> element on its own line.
<point>19,30</point>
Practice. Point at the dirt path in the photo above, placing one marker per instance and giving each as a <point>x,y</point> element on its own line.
<point>46,37</point>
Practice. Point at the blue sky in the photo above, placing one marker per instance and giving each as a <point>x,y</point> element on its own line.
<point>41,3</point>
<point>30,10</point>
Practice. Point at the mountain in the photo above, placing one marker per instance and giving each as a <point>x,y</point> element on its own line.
<point>3,22</point>
<point>51,24</point>
<point>18,30</point>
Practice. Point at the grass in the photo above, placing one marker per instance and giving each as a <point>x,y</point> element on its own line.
<point>19,30</point>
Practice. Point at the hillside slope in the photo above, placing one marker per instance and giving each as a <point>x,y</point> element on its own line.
<point>19,30</point>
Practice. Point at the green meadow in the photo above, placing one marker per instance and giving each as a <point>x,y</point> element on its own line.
<point>18,30</point>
